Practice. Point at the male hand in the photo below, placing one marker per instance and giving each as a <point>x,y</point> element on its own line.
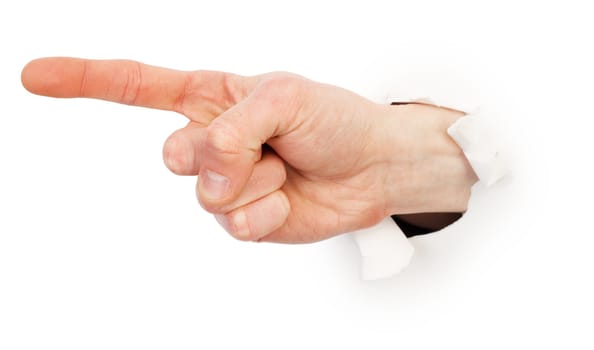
<point>279,157</point>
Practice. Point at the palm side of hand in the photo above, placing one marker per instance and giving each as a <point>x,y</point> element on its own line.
<point>322,139</point>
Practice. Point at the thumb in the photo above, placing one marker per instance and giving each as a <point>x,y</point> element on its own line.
<point>234,139</point>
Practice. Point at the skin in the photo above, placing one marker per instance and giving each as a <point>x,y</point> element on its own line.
<point>282,158</point>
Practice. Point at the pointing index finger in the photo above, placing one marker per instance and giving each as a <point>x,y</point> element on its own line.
<point>130,82</point>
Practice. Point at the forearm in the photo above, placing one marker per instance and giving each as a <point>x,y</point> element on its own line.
<point>427,171</point>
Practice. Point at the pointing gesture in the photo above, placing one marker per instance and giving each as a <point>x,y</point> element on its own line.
<point>280,157</point>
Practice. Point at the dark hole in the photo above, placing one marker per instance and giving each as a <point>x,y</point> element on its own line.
<point>424,223</point>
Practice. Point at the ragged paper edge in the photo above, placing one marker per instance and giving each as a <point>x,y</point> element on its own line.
<point>385,249</point>
<point>478,147</point>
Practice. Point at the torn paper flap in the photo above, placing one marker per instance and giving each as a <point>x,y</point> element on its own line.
<point>384,248</point>
<point>478,147</point>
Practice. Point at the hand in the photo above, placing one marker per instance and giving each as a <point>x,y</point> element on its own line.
<point>279,157</point>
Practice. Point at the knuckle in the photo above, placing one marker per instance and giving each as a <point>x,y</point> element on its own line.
<point>222,138</point>
<point>84,79</point>
<point>132,84</point>
<point>180,102</point>
<point>282,83</point>
<point>233,89</point>
<point>285,93</point>
<point>177,159</point>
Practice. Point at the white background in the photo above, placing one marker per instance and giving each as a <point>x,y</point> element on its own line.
<point>102,248</point>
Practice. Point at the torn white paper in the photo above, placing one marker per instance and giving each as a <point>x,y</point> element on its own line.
<point>384,248</point>
<point>479,148</point>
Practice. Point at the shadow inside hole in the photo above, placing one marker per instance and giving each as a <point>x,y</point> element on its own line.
<point>424,223</point>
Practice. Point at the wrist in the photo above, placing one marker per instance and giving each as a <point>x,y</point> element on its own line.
<point>425,170</point>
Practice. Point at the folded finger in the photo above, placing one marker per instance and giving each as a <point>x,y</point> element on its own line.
<point>269,175</point>
<point>181,151</point>
<point>257,219</point>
